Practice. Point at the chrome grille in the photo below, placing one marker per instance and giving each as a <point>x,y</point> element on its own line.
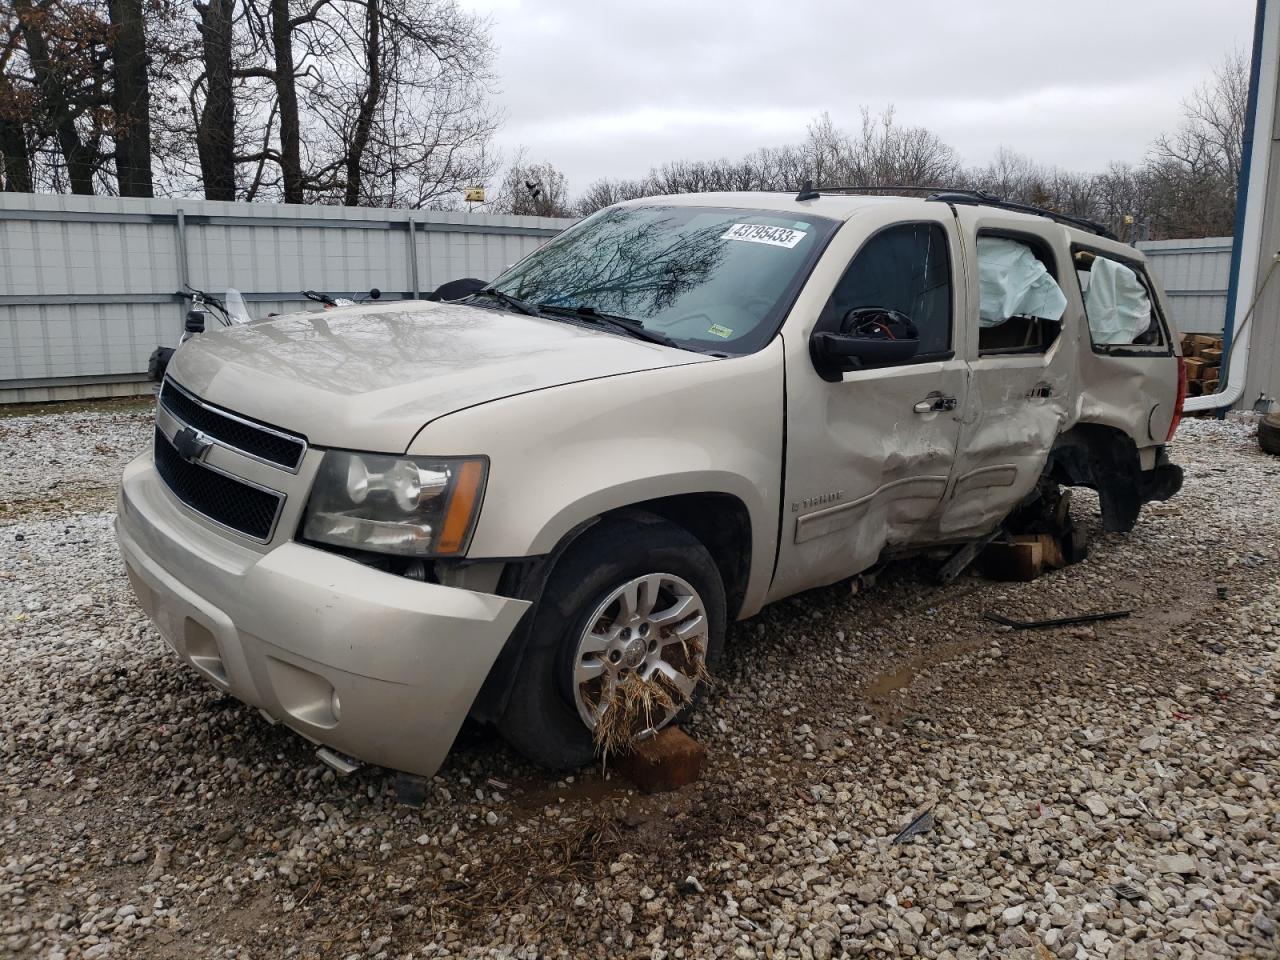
<point>226,500</point>
<point>257,440</point>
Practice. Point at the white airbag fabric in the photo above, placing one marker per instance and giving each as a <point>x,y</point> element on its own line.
<point>1116,303</point>
<point>1013,283</point>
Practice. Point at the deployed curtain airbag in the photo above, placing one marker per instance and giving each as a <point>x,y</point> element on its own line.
<point>1116,303</point>
<point>1013,283</point>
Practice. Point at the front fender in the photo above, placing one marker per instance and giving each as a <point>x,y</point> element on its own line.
<point>563,455</point>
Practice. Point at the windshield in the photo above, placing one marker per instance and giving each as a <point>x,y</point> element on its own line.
<point>711,278</point>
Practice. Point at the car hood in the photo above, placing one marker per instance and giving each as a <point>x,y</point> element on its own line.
<point>371,377</point>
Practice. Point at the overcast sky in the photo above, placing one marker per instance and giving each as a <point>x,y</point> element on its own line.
<point>611,89</point>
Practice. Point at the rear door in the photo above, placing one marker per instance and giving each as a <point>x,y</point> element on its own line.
<point>869,458</point>
<point>1022,338</point>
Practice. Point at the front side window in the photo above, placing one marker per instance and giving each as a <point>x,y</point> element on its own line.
<point>716,279</point>
<point>905,268</point>
<point>1020,304</point>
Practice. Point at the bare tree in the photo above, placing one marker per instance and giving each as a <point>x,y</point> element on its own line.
<point>215,129</point>
<point>1211,136</point>
<point>397,102</point>
<point>605,193</point>
<point>533,190</point>
<point>284,76</point>
<point>17,112</point>
<point>130,98</point>
<point>65,51</point>
<point>1196,168</point>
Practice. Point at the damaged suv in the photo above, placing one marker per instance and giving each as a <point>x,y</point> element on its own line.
<point>539,505</point>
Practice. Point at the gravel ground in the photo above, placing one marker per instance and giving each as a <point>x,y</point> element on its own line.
<point>1104,791</point>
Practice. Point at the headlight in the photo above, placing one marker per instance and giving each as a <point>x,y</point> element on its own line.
<point>409,506</point>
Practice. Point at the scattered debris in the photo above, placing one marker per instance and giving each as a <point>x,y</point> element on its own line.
<point>638,704</point>
<point>921,824</point>
<point>1057,622</point>
<point>959,561</point>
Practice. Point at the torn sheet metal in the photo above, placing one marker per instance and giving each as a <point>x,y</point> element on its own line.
<point>1013,283</point>
<point>1116,303</point>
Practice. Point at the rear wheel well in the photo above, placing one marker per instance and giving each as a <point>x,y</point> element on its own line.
<point>1106,460</point>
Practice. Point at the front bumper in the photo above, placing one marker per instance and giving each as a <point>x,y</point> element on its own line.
<point>376,666</point>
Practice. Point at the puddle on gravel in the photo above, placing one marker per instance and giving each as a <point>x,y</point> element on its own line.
<point>901,676</point>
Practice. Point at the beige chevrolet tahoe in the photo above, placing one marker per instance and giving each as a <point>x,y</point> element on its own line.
<point>373,522</point>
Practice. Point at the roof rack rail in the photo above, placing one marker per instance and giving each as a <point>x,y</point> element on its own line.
<point>865,188</point>
<point>976,197</point>
<point>963,195</point>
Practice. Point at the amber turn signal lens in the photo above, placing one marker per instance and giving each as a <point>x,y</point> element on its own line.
<point>462,507</point>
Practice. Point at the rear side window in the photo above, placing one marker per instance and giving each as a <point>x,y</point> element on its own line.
<point>906,267</point>
<point>1117,302</point>
<point>1020,303</point>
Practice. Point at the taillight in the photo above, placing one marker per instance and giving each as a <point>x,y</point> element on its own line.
<point>1182,398</point>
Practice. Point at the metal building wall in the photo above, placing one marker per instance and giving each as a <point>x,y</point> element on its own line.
<point>1262,385</point>
<point>1194,275</point>
<point>89,285</point>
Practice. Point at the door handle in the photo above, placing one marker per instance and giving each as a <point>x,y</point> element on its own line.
<point>935,404</point>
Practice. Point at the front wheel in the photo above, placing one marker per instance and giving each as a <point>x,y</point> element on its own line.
<point>629,626</point>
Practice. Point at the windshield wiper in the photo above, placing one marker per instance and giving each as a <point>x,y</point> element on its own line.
<point>626,325</point>
<point>515,303</point>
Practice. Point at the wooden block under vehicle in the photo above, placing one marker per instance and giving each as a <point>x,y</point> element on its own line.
<point>1209,373</point>
<point>1208,386</point>
<point>1194,367</point>
<point>1051,552</point>
<point>667,761</point>
<point>1021,560</point>
<point>1212,356</point>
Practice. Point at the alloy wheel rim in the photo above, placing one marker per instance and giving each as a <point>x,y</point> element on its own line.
<point>652,627</point>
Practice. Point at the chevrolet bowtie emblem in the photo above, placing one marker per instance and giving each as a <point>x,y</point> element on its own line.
<point>191,444</point>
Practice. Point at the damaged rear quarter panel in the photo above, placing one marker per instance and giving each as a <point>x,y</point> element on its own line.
<point>1132,389</point>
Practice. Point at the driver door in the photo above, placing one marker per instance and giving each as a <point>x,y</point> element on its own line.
<point>870,456</point>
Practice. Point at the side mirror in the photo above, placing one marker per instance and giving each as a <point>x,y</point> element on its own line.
<point>868,337</point>
<point>195,321</point>
<point>375,294</point>
<point>455,289</point>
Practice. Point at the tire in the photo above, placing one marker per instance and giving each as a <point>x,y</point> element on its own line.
<point>542,719</point>
<point>1269,434</point>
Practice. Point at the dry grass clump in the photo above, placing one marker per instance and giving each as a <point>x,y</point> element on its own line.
<point>527,871</point>
<point>637,704</point>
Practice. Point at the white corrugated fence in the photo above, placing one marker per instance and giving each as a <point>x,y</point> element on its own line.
<point>1194,274</point>
<point>89,286</point>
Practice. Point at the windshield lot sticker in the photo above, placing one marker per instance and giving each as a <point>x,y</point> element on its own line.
<point>720,331</point>
<point>760,233</point>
